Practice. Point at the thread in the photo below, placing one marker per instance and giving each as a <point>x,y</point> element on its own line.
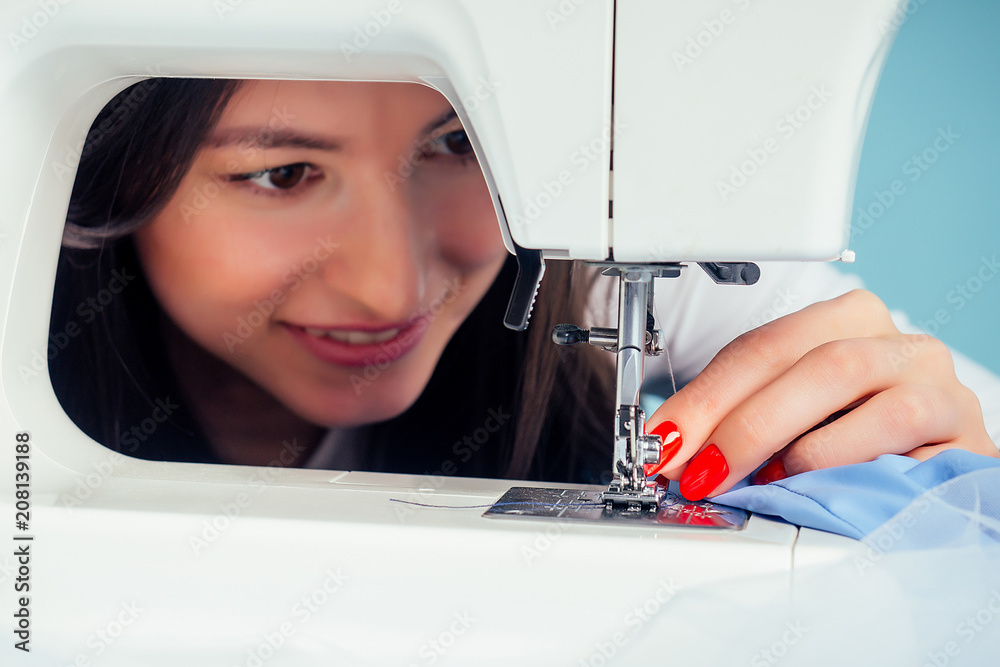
<point>670,367</point>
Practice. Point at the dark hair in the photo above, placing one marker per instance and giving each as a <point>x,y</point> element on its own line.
<point>110,373</point>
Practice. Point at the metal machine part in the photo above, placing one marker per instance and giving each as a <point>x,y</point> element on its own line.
<point>636,337</point>
<point>590,506</point>
<point>530,269</point>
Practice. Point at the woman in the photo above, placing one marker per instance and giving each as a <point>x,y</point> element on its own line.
<point>294,295</point>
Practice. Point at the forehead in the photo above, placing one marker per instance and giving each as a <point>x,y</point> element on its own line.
<point>333,104</point>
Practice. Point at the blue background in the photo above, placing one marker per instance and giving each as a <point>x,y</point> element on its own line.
<point>943,72</point>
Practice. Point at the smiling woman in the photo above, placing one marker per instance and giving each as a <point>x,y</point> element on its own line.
<point>398,252</point>
<point>298,286</point>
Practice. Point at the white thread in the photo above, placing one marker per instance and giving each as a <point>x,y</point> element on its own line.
<point>670,367</point>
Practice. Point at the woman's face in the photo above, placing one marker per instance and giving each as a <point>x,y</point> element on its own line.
<point>327,242</point>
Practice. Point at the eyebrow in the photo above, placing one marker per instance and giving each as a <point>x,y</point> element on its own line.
<point>446,117</point>
<point>263,137</point>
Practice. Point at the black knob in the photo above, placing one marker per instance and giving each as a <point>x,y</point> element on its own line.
<point>569,334</point>
<point>750,273</point>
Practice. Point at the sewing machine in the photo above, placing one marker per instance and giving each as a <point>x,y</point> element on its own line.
<point>736,129</point>
<point>722,109</point>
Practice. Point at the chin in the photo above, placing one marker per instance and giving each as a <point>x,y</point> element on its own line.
<point>357,405</point>
<point>352,397</point>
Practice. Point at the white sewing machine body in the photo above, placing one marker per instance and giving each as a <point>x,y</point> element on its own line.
<point>303,567</point>
<point>139,562</point>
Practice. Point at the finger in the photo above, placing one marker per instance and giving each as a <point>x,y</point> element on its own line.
<point>755,359</point>
<point>925,452</point>
<point>895,421</point>
<point>822,382</point>
<point>774,469</point>
<point>975,438</point>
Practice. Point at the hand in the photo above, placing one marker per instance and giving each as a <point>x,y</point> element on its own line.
<point>770,394</point>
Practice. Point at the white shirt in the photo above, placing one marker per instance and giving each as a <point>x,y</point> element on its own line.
<point>699,318</point>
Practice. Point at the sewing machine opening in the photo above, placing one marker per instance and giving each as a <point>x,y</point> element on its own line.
<point>308,274</point>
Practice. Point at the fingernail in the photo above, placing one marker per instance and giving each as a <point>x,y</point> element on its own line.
<point>705,472</point>
<point>670,434</point>
<point>662,481</point>
<point>771,472</point>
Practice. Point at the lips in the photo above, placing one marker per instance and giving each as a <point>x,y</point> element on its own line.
<point>354,337</point>
<point>356,347</point>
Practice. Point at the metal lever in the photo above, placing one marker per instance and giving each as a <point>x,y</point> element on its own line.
<point>732,273</point>
<point>530,269</point>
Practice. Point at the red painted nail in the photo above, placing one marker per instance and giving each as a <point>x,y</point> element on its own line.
<point>705,472</point>
<point>670,434</point>
<point>771,472</point>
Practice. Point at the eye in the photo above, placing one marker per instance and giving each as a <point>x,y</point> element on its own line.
<point>453,143</point>
<point>285,177</point>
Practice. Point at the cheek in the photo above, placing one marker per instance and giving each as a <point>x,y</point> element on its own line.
<point>205,272</point>
<point>465,222</point>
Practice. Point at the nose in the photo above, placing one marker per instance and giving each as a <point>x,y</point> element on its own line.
<point>384,253</point>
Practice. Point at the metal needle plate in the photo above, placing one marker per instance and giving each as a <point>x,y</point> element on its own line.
<point>576,505</point>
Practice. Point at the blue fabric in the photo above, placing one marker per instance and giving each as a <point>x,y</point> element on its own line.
<point>854,500</point>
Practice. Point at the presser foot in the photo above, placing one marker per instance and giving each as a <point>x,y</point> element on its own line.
<point>648,499</point>
<point>634,449</point>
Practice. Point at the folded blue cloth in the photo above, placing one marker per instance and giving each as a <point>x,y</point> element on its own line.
<point>855,500</point>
